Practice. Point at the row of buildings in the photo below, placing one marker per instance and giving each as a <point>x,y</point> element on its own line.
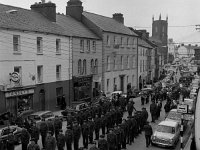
<point>47,58</point>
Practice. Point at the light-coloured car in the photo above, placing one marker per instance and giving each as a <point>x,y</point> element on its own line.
<point>191,105</point>
<point>166,134</point>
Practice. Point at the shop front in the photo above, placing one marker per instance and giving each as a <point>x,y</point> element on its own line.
<point>19,100</point>
<point>82,88</point>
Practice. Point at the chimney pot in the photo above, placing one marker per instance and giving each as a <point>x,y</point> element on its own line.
<point>74,9</point>
<point>118,17</point>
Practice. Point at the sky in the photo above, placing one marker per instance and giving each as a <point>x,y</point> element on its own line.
<point>183,15</point>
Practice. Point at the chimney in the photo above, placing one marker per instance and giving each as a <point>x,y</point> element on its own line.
<point>46,9</point>
<point>74,9</point>
<point>118,17</point>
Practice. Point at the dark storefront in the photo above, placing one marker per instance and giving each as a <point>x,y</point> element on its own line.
<point>82,88</point>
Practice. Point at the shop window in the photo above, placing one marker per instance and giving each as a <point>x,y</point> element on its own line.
<point>16,43</point>
<point>24,103</point>
<point>59,95</point>
<point>40,74</point>
<point>39,45</point>
<point>58,72</point>
<point>58,46</point>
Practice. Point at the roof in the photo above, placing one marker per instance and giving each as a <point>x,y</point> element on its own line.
<point>108,24</point>
<point>155,40</point>
<point>40,112</point>
<point>143,43</point>
<point>28,20</point>
<point>73,27</point>
<point>168,123</point>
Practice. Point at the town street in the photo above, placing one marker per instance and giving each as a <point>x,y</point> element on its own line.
<point>139,143</point>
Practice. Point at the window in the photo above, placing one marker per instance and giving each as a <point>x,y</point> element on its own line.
<point>94,46</point>
<point>108,40</point>
<point>18,69</point>
<point>108,63</point>
<point>58,72</point>
<point>96,66</point>
<point>127,80</point>
<point>134,42</point>
<point>122,40</point>
<point>108,83</point>
<point>133,61</point>
<point>88,45</point>
<point>115,40</point>
<point>92,66</point>
<point>58,46</point>
<point>114,84</point>
<point>143,65</point>
<point>39,45</point>
<point>128,64</point>
<point>59,95</point>
<point>82,45</point>
<point>122,62</point>
<point>40,74</point>
<point>16,43</point>
<point>79,66</point>
<point>140,65</point>
<point>127,42</point>
<point>84,67</point>
<point>114,63</point>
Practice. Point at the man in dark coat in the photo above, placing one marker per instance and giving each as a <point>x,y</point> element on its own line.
<point>10,143</point>
<point>85,133</point>
<point>124,133</point>
<point>33,145</point>
<point>97,123</point>
<point>50,141</point>
<point>148,132</point>
<point>43,131</point>
<point>69,137</point>
<point>153,109</point>
<point>94,147</point>
<point>112,140</point>
<point>102,143</point>
<point>61,140</point>
<point>25,137</point>
<point>57,126</point>
<point>50,126</point>
<point>77,134</point>
<point>91,129</point>
<point>130,108</point>
<point>35,133</point>
<point>144,116</point>
<point>103,124</point>
<point>129,125</point>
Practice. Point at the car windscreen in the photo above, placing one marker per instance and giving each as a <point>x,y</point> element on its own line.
<point>166,129</point>
<point>34,117</point>
<point>174,116</point>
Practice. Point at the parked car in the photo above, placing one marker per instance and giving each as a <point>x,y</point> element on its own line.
<point>37,116</point>
<point>173,115</point>
<point>166,134</point>
<point>4,132</point>
<point>191,105</point>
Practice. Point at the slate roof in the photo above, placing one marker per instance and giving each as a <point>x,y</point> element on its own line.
<point>73,27</point>
<point>108,24</point>
<point>28,20</point>
<point>143,43</point>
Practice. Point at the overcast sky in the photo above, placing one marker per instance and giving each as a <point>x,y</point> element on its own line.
<point>183,14</point>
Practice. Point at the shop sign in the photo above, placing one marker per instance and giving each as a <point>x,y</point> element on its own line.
<point>15,77</point>
<point>19,92</point>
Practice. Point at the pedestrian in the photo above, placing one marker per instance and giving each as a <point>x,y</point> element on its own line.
<point>148,132</point>
<point>57,126</point>
<point>129,125</point>
<point>102,143</point>
<point>2,145</point>
<point>97,123</point>
<point>50,126</point>
<point>133,129</point>
<point>61,140</point>
<point>94,147</point>
<point>167,108</point>
<point>142,100</point>
<point>118,135</point>
<point>85,133</point>
<point>43,131</point>
<point>50,141</point>
<point>153,109</point>
<point>33,145</point>
<point>91,129</point>
<point>10,143</point>
<point>103,124</point>
<point>25,137</point>
<point>112,140</point>
<point>159,108</point>
<point>69,137</point>
<point>77,134</point>
<point>124,133</point>
<point>130,108</point>
<point>35,133</point>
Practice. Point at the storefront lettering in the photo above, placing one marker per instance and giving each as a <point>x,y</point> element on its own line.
<point>18,93</point>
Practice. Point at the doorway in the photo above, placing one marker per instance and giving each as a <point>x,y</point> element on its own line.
<point>42,99</point>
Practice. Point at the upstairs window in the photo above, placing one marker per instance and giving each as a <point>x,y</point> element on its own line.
<point>122,67</point>
<point>108,40</point>
<point>40,74</point>
<point>127,42</point>
<point>96,66</point>
<point>128,64</point>
<point>18,69</point>
<point>122,42</point>
<point>16,43</point>
<point>84,67</point>
<point>94,46</point>
<point>79,66</point>
<point>58,72</point>
<point>88,45</point>
<point>39,45</point>
<point>82,45</point>
<point>92,66</point>
<point>108,63</point>
<point>115,40</point>
<point>58,46</point>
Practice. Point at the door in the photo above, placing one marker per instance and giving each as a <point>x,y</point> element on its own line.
<point>42,99</point>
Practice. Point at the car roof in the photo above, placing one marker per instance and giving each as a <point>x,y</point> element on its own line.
<point>168,123</point>
<point>173,110</point>
<point>115,92</point>
<point>40,112</point>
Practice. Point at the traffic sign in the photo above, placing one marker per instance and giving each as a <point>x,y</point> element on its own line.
<point>182,108</point>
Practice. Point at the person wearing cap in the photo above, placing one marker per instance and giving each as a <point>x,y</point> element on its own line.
<point>69,137</point>
<point>57,126</point>
<point>102,143</point>
<point>33,145</point>
<point>112,140</point>
<point>148,132</point>
<point>50,141</point>
<point>77,134</point>
<point>35,133</point>
<point>25,137</point>
<point>61,140</point>
<point>91,129</point>
<point>85,133</point>
<point>43,131</point>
